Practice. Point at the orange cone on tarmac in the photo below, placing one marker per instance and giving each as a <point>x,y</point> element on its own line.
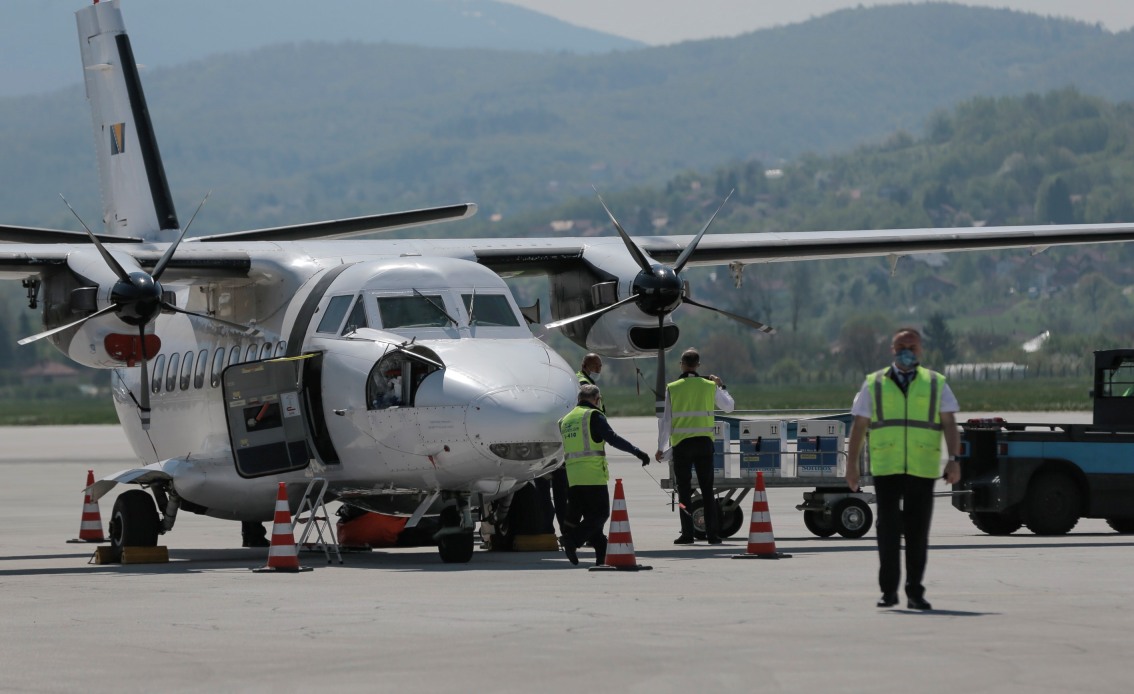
<point>620,546</point>
<point>282,554</point>
<point>90,527</point>
<point>761,541</point>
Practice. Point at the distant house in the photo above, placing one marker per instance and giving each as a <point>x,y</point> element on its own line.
<point>50,373</point>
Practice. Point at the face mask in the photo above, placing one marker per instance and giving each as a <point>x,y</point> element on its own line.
<point>906,359</point>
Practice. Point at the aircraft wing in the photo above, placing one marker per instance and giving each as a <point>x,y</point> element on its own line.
<point>544,254</point>
<point>21,260</point>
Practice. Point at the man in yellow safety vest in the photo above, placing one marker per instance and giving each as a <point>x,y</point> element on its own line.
<point>585,435</point>
<point>907,409</point>
<point>686,427</point>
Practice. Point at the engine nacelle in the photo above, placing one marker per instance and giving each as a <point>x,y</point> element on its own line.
<point>605,276</point>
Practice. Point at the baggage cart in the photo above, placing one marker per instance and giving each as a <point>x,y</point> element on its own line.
<point>791,451</point>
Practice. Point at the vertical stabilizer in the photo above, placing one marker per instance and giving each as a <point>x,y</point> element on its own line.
<point>135,193</point>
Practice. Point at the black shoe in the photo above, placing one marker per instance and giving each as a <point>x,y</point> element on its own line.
<point>715,540</point>
<point>683,540</point>
<point>888,600</point>
<point>918,604</point>
<point>256,542</point>
<point>569,550</point>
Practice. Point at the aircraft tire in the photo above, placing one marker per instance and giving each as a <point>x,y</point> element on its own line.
<point>456,548</point>
<point>134,521</point>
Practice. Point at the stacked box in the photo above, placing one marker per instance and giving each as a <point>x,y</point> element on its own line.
<point>762,443</point>
<point>819,443</point>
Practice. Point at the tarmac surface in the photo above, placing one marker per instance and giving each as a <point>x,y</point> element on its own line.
<point>1014,614</point>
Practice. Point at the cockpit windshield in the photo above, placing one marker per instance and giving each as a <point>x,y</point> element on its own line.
<point>490,310</point>
<point>419,311</point>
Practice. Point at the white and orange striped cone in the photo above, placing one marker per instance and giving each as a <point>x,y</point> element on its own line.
<point>90,527</point>
<point>282,554</point>
<point>761,540</point>
<point>620,546</point>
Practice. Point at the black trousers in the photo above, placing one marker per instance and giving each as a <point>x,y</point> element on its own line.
<point>689,456</point>
<point>588,509</point>
<point>559,497</point>
<point>905,507</point>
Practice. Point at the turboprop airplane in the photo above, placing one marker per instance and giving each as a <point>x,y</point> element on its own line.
<point>402,372</point>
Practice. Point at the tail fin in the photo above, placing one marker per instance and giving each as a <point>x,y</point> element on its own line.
<point>135,193</point>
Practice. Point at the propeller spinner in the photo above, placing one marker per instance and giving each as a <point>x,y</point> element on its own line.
<point>658,290</point>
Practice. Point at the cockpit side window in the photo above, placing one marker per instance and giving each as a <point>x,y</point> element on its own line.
<point>418,311</point>
<point>394,381</point>
<point>490,310</point>
<point>357,318</point>
<point>333,316</point>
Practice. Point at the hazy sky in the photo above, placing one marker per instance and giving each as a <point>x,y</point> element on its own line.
<point>670,21</point>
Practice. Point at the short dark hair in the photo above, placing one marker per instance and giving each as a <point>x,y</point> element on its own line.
<point>690,357</point>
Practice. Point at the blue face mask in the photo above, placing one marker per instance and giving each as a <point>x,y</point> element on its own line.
<point>906,359</point>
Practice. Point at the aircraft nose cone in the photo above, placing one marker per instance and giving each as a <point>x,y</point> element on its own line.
<point>516,414</point>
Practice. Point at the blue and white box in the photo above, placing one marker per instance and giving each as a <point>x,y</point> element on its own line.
<point>722,447</point>
<point>820,448</point>
<point>762,444</point>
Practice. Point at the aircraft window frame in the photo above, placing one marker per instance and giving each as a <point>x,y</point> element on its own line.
<point>395,380</point>
<point>158,375</point>
<point>335,311</point>
<point>171,372</point>
<point>398,313</point>
<point>266,351</point>
<point>199,372</point>
<point>234,355</point>
<point>357,317</point>
<point>218,366</point>
<point>496,303</point>
<point>250,353</point>
<point>186,371</point>
<point>281,348</point>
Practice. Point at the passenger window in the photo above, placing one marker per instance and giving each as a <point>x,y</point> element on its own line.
<point>281,348</point>
<point>234,355</point>
<point>333,317</point>
<point>159,373</point>
<point>490,310</point>
<point>171,374</point>
<point>266,350</point>
<point>418,311</point>
<point>187,371</point>
<point>218,367</point>
<point>202,362</point>
<point>357,318</point>
<point>250,355</point>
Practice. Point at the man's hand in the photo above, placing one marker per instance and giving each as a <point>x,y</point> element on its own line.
<point>852,478</point>
<point>658,456</point>
<point>715,379</point>
<point>644,457</point>
<point>952,472</point>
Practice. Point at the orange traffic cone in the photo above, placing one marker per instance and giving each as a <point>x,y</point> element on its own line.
<point>90,528</point>
<point>620,547</point>
<point>282,554</point>
<point>761,541</point>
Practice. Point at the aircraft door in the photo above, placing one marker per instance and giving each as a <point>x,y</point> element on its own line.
<point>264,408</point>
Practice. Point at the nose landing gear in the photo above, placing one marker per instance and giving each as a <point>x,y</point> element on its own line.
<point>455,538</point>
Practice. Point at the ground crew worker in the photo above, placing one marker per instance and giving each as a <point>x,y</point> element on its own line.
<point>686,426</point>
<point>585,433</point>
<point>589,369</point>
<point>907,409</point>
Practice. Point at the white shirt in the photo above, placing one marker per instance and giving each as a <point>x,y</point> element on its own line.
<point>722,399</point>
<point>862,405</point>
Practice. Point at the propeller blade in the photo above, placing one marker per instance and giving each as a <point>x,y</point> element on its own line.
<point>114,264</point>
<point>247,329</point>
<point>144,385</point>
<point>747,321</point>
<point>168,255</point>
<point>659,386</point>
<point>639,256</point>
<point>597,312</point>
<point>48,333</point>
<point>688,252</point>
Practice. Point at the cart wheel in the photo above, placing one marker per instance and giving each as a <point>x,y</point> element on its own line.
<point>820,523</point>
<point>697,511</point>
<point>852,517</point>
<point>732,521</point>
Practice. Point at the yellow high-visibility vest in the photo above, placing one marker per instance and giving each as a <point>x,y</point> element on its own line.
<point>692,401</point>
<point>585,459</point>
<point>905,428</point>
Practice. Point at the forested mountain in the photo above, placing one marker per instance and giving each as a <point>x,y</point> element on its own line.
<point>315,130</point>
